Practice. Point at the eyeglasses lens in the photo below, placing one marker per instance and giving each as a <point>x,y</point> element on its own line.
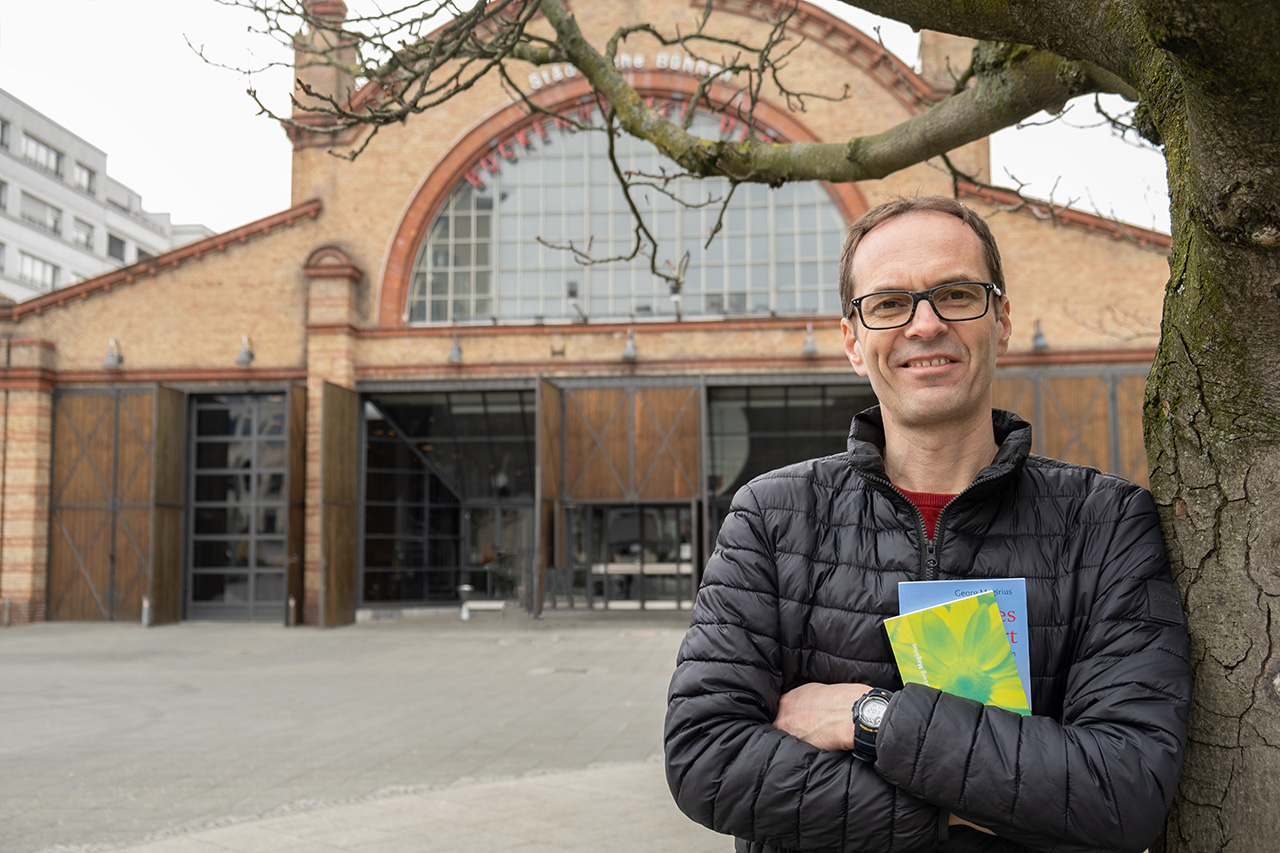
<point>954,302</point>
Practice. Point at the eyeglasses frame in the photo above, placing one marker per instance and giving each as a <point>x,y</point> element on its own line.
<point>918,296</point>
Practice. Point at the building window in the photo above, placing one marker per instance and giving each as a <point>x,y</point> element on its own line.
<point>754,429</point>
<point>86,178</point>
<point>82,234</point>
<point>1,258</point>
<point>41,215</point>
<point>40,273</point>
<point>4,134</point>
<point>115,247</point>
<point>4,196</point>
<point>485,258</point>
<point>449,494</point>
<point>41,155</point>
<point>143,254</point>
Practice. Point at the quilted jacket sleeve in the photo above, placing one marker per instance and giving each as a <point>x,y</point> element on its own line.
<point>727,767</point>
<point>1104,777</point>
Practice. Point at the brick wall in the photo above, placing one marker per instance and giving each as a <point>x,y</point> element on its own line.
<point>1091,288</point>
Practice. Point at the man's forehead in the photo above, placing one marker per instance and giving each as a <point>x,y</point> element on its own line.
<point>918,249</point>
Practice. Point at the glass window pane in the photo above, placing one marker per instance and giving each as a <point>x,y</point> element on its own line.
<point>271,552</point>
<point>220,588</point>
<point>271,487</point>
<point>222,487</point>
<point>224,520</point>
<point>224,454</point>
<point>273,454</point>
<point>268,587</point>
<point>218,553</point>
<point>544,194</point>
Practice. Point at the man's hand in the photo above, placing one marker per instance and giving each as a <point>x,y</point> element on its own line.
<point>820,714</point>
<point>959,821</point>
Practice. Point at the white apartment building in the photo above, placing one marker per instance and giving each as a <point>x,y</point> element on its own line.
<point>62,218</point>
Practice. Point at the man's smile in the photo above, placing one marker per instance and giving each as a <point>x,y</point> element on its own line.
<point>932,361</point>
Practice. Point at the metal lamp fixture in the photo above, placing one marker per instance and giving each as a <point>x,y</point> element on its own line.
<point>455,352</point>
<point>629,349</point>
<point>115,357</point>
<point>245,358</point>
<point>810,348</point>
<point>1039,342</point>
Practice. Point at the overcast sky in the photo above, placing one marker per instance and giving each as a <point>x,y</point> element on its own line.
<point>184,134</point>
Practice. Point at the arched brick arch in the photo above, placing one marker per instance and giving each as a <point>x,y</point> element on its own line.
<point>478,142</point>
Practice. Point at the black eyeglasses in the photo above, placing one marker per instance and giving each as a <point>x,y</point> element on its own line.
<point>959,300</point>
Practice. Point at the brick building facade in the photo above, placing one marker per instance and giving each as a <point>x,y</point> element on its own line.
<point>392,389</point>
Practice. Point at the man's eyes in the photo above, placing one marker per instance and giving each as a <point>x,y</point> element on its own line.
<point>891,303</point>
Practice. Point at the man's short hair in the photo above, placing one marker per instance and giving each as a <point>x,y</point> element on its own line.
<point>899,207</point>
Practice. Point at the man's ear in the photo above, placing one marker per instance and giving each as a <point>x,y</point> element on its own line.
<point>852,346</point>
<point>1006,328</point>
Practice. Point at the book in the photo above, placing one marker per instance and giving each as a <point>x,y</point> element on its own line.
<point>959,647</point>
<point>1011,596</point>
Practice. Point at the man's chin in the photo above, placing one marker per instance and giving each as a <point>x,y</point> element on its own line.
<point>924,409</point>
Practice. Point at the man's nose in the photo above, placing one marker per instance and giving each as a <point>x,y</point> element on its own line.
<point>926,323</point>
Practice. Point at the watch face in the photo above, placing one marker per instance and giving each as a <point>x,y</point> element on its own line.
<point>872,711</point>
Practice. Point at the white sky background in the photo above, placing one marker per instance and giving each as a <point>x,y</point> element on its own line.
<point>184,134</point>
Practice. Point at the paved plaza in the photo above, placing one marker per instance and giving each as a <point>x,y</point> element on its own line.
<point>499,733</point>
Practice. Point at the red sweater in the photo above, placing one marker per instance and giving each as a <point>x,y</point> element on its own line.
<point>930,506</point>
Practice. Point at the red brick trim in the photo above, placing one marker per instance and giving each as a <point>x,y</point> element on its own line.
<point>169,260</point>
<point>845,40</point>
<point>327,8</point>
<point>1144,238</point>
<point>332,262</point>
<point>1073,357</point>
<point>733,325</point>
<point>26,379</point>
<point>444,176</point>
<point>581,369</point>
<point>332,329</point>
<point>238,375</point>
<point>33,342</point>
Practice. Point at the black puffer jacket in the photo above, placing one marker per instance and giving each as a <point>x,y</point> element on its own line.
<point>805,571</point>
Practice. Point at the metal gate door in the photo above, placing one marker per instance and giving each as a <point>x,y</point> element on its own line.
<point>101,498</point>
<point>239,507</point>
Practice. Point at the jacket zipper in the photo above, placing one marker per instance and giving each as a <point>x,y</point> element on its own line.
<point>929,553</point>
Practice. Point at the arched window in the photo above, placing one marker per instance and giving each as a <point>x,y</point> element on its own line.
<point>485,257</point>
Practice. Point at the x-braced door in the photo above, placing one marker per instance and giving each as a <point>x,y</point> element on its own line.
<point>102,503</point>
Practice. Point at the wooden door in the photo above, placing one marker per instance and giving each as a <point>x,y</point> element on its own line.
<point>339,453</point>
<point>101,501</point>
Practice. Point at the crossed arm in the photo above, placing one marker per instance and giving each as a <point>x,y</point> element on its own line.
<point>755,756</point>
<point>821,715</point>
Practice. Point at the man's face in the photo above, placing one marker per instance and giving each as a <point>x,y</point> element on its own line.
<point>928,372</point>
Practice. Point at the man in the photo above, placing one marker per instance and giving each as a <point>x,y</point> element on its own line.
<point>787,633</point>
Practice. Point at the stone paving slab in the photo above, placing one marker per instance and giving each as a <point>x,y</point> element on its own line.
<point>624,808</point>
<point>499,733</point>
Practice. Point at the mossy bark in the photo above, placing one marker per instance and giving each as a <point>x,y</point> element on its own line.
<point>1212,414</point>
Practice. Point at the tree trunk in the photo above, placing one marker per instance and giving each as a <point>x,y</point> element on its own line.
<point>1212,425</point>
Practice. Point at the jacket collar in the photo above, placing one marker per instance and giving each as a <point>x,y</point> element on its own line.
<point>866,444</point>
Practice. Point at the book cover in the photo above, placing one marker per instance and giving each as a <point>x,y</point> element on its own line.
<point>959,647</point>
<point>1011,596</point>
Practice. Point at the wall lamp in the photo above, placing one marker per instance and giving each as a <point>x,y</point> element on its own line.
<point>245,358</point>
<point>1039,342</point>
<point>629,349</point>
<point>810,348</point>
<point>455,352</point>
<point>115,357</point>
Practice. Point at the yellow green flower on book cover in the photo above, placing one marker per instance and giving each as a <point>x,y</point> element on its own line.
<point>959,647</point>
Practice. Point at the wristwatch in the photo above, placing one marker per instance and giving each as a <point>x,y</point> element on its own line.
<point>868,712</point>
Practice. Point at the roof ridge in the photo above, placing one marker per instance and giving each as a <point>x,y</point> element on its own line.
<point>1145,238</point>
